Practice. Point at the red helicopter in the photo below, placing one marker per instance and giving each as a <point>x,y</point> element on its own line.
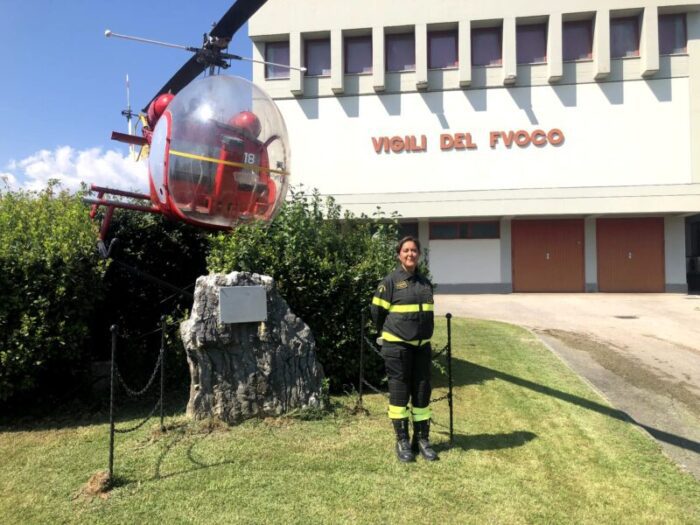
<point>218,147</point>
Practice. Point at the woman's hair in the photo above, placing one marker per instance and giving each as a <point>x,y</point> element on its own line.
<point>408,238</point>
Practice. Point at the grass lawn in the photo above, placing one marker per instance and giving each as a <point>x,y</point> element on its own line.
<point>533,444</point>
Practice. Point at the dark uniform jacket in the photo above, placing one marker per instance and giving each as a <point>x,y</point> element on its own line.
<point>402,307</point>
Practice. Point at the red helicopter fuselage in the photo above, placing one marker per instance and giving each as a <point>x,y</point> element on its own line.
<point>207,173</point>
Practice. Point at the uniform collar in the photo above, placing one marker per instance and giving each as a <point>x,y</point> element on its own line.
<point>403,274</point>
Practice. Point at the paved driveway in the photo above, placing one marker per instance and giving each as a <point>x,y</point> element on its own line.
<point>642,351</point>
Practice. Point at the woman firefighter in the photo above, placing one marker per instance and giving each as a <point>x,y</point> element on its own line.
<point>402,310</point>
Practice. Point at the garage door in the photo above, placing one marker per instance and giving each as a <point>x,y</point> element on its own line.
<point>630,254</point>
<point>548,255</point>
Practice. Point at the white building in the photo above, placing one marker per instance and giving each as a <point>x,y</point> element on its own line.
<point>532,146</point>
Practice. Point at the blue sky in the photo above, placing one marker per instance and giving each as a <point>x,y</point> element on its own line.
<point>62,86</point>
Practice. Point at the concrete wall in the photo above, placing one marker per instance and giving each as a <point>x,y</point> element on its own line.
<point>605,127</point>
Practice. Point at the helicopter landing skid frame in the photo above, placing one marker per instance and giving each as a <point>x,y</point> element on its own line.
<point>101,191</point>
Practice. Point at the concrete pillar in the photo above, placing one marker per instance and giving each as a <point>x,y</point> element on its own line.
<point>337,62</point>
<point>424,237</point>
<point>296,59</point>
<point>649,42</point>
<point>555,66</point>
<point>464,53</point>
<point>590,250</point>
<point>674,254</point>
<point>693,19</point>
<point>601,44</point>
<point>506,256</point>
<point>378,65</point>
<point>258,68</point>
<point>421,56</point>
<point>510,57</point>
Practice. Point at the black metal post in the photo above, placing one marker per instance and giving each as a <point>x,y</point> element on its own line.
<point>115,333</point>
<point>449,374</point>
<point>362,358</point>
<point>162,369</point>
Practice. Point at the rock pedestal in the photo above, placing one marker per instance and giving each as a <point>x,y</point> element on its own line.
<point>246,370</point>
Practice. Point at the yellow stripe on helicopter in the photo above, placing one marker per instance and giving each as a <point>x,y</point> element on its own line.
<point>253,167</point>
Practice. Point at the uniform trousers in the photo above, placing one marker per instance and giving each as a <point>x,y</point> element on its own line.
<point>408,370</point>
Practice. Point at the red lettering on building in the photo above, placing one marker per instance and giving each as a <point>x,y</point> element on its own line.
<point>397,145</point>
<point>463,141</point>
<point>539,137</point>
<point>379,143</point>
<point>555,136</point>
<point>446,142</point>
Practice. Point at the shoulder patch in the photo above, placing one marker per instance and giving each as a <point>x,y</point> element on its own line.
<point>401,285</point>
<point>381,288</point>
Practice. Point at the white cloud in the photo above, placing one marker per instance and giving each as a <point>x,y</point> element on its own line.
<point>71,167</point>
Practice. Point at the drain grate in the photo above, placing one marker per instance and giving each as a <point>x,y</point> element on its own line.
<point>626,317</point>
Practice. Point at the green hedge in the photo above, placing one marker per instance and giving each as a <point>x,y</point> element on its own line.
<point>58,298</point>
<point>326,264</point>
<point>50,284</point>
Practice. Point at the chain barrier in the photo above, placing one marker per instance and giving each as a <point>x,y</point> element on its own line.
<point>364,340</point>
<point>131,391</point>
<point>116,378</point>
<point>438,354</point>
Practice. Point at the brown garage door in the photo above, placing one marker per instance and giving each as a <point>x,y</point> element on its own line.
<point>630,254</point>
<point>548,255</point>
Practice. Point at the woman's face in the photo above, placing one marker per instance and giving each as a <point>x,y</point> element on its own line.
<point>409,255</point>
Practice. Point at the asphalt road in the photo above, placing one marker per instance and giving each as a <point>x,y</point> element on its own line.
<point>641,351</point>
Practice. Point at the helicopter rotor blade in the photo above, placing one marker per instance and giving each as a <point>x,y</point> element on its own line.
<point>186,74</point>
<point>237,15</point>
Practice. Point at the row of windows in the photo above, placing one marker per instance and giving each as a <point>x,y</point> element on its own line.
<point>486,46</point>
<point>455,230</point>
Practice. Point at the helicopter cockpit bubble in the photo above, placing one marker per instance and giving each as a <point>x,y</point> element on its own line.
<point>223,153</point>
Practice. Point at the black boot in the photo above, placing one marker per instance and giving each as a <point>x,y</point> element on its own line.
<point>421,441</point>
<point>403,448</point>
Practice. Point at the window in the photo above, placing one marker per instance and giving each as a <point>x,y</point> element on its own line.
<point>444,230</point>
<point>317,57</point>
<point>465,230</point>
<point>484,230</point>
<point>408,228</point>
<point>358,54</point>
<point>442,49</point>
<point>624,37</point>
<point>673,35</point>
<point>577,40</point>
<point>400,52</point>
<point>486,46</point>
<point>277,52</point>
<point>531,43</point>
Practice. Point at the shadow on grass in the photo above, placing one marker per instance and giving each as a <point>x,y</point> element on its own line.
<point>172,438</point>
<point>468,373</point>
<point>78,415</point>
<point>197,464</point>
<point>486,441</point>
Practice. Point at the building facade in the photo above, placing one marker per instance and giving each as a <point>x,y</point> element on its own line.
<point>532,147</point>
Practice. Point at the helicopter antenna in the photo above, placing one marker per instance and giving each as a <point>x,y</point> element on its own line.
<point>129,114</point>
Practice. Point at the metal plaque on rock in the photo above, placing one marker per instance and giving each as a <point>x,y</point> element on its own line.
<point>242,304</point>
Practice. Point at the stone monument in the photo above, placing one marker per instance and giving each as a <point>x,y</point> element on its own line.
<point>248,369</point>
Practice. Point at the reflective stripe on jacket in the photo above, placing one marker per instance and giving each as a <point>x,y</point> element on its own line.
<point>402,307</point>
